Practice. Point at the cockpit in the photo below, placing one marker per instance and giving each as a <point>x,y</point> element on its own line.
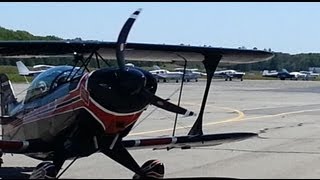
<point>50,80</point>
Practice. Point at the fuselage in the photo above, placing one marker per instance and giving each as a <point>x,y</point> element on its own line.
<point>61,108</point>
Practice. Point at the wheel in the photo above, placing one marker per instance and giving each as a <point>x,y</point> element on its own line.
<point>153,169</point>
<point>44,170</point>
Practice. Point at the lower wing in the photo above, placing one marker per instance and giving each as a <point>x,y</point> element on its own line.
<point>186,142</point>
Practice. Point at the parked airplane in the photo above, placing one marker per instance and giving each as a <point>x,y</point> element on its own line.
<point>272,73</point>
<point>229,74</point>
<point>284,74</point>
<point>69,112</point>
<point>310,75</point>
<point>165,75</point>
<point>190,74</point>
<point>24,71</point>
<point>298,75</point>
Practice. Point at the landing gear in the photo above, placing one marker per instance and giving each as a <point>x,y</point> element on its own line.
<point>45,170</point>
<point>152,169</point>
<point>1,160</point>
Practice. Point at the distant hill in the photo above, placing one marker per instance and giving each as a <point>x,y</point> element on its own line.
<point>7,34</point>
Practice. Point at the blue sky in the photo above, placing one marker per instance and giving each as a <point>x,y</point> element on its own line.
<point>290,27</point>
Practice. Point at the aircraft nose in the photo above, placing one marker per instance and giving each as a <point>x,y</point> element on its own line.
<point>118,90</point>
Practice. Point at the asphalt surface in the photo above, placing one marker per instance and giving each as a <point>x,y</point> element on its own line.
<point>285,114</point>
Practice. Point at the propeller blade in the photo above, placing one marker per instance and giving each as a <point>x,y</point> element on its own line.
<point>166,105</point>
<point>123,38</point>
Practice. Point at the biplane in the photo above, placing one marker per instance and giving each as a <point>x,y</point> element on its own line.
<point>69,113</point>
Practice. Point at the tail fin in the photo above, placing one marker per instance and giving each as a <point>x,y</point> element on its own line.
<point>23,70</point>
<point>265,72</point>
<point>285,70</point>
<point>7,97</point>
<point>155,67</point>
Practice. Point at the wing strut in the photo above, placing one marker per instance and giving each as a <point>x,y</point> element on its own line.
<point>182,80</point>
<point>210,63</point>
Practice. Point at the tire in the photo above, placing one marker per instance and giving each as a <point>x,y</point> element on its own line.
<point>44,170</point>
<point>153,169</point>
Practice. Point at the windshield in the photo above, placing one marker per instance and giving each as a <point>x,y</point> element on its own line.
<point>49,80</point>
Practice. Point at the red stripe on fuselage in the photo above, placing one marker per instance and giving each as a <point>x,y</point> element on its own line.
<point>113,122</point>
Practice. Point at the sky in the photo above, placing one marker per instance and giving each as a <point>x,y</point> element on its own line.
<point>288,27</point>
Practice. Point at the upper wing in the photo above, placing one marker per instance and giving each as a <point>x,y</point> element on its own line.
<point>134,51</point>
<point>186,142</point>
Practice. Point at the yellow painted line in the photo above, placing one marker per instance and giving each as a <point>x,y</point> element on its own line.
<point>238,118</point>
<point>282,114</point>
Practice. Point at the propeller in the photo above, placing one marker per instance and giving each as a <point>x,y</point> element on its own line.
<point>128,89</point>
<point>122,38</point>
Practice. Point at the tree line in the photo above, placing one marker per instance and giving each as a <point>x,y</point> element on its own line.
<point>281,60</point>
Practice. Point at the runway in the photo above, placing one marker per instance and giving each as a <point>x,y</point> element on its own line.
<point>285,114</point>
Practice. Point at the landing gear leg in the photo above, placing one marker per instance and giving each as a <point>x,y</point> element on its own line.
<point>45,170</point>
<point>153,169</point>
<point>121,155</point>
<point>1,160</point>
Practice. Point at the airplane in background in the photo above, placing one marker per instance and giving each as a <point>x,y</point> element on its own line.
<point>165,75</point>
<point>24,71</point>
<point>310,75</point>
<point>190,74</point>
<point>272,73</point>
<point>70,113</point>
<point>229,74</point>
<point>297,75</point>
<point>285,74</point>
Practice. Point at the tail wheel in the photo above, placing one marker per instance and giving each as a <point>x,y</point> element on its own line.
<point>153,169</point>
<point>45,170</point>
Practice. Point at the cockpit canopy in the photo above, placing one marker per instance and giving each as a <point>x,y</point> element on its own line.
<point>51,79</point>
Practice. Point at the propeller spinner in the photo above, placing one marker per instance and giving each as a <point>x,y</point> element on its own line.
<point>127,89</point>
